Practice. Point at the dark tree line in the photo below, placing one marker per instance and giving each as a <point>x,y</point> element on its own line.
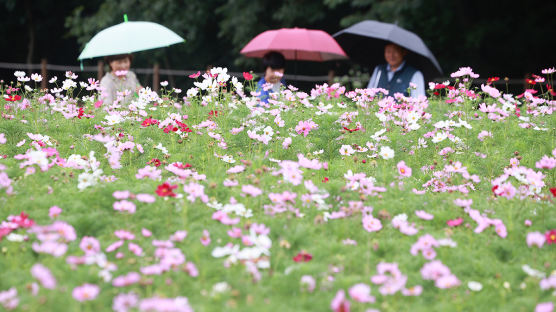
<point>504,38</point>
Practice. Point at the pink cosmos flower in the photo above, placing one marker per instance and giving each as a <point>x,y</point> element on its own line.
<point>180,304</point>
<point>361,292</point>
<point>124,205</point>
<point>124,235</point>
<point>493,92</point>
<point>149,172</point>
<point>340,303</point>
<point>121,194</point>
<point>43,275</point>
<point>260,229</point>
<point>125,302</point>
<point>195,191</point>
<point>413,291</point>
<point>434,270</point>
<point>349,241</point>
<point>464,203</point>
<point>416,191</point>
<point>304,127</point>
<point>447,281</point>
<point>54,211</point>
<point>205,238</point>
<point>514,162</point>
<point>371,224</point>
<point>251,190</point>
<point>404,170</point>
<point>9,299</point>
<point>146,233</point>
<point>308,283</point>
<point>546,163</point>
<point>50,247</point>
<point>499,227</point>
<point>484,134</point>
<point>89,245</point>
<point>191,269</point>
<point>85,292</point>
<point>234,232</point>
<point>544,307</point>
<point>505,190</point>
<point>114,246</point>
<point>145,198</point>
<point>223,217</point>
<point>287,142</point>
<point>535,238</point>
<point>178,236</point>
<point>135,249</point>
<point>126,280</point>
<point>236,169</point>
<point>424,215</point>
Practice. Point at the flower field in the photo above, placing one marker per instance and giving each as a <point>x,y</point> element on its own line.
<point>209,200</point>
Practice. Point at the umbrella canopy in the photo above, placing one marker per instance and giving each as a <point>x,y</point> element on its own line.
<point>364,43</point>
<point>129,37</point>
<point>296,44</point>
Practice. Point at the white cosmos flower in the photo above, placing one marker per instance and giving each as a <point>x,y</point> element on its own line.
<point>161,148</point>
<point>439,137</point>
<point>229,159</point>
<point>346,150</point>
<point>268,131</point>
<point>113,119</point>
<point>412,117</point>
<point>386,152</point>
<point>85,180</point>
<point>36,77</point>
<point>475,286</point>
<point>381,116</point>
<point>192,92</point>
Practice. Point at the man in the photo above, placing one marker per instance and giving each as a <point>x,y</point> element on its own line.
<point>396,75</point>
<point>274,64</point>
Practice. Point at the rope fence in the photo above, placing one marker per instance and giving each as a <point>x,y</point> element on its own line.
<point>156,71</point>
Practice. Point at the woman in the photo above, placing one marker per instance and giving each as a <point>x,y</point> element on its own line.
<point>119,80</point>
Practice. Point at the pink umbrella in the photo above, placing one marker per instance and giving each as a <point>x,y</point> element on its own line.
<point>296,44</point>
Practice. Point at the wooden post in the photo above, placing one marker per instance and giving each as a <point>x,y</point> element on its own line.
<point>100,70</point>
<point>156,77</point>
<point>44,74</point>
<point>330,76</point>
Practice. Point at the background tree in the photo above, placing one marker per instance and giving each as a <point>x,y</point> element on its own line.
<point>511,39</point>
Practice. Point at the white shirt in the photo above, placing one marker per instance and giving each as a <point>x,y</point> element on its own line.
<point>417,79</point>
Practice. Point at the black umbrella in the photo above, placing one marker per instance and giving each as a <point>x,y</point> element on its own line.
<point>364,43</point>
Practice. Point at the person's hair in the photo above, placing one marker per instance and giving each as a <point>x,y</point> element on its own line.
<point>110,58</point>
<point>402,49</point>
<point>274,60</point>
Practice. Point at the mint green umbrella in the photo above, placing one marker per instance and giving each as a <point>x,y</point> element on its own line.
<point>129,37</point>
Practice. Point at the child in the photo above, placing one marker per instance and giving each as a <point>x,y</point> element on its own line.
<point>119,79</point>
<point>274,64</point>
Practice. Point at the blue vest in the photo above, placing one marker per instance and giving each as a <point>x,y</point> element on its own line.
<point>265,94</point>
<point>400,81</point>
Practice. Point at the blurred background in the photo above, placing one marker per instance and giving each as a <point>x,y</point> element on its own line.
<point>496,38</point>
